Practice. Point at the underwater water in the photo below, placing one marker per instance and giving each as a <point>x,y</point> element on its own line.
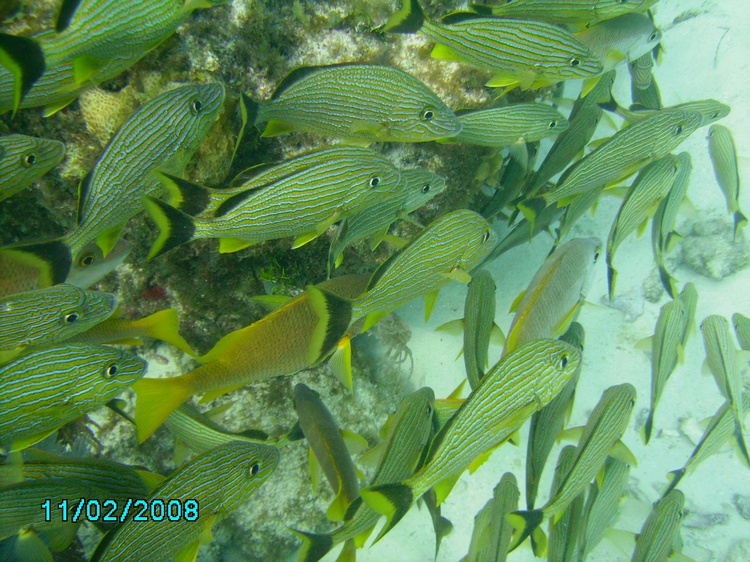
<point>249,47</point>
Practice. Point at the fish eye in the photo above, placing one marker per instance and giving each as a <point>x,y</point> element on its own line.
<point>678,130</point>
<point>71,318</point>
<point>254,469</point>
<point>653,36</point>
<point>485,236</point>
<point>552,124</point>
<point>86,260</point>
<point>111,370</point>
<point>428,114</point>
<point>29,159</point>
<point>374,181</point>
<point>196,106</point>
<point>596,255</point>
<point>426,188</point>
<point>575,61</point>
<point>632,402</point>
<point>563,361</point>
<point>714,115</point>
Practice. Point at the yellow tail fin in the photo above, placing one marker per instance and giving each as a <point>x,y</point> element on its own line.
<point>156,399</point>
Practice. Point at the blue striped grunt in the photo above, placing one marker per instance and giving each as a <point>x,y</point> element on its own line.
<point>665,217</point>
<point>547,423</point>
<point>252,354</point>
<point>163,135</point>
<point>301,205</point>
<point>724,158</point>
<point>555,294</point>
<point>328,448</point>
<point>502,126</point>
<point>491,535</point>
<point>93,41</point>
<point>448,249</point>
<point>661,529</point>
<point>622,39</point>
<point>517,386</point>
<point>418,187</point>
<point>599,438</point>
<point>568,12</point>
<point>643,197</point>
<point>409,431</point>
<point>217,482</point>
<point>361,103</point>
<point>46,389</point>
<point>48,316</point>
<point>666,350</point>
<point>523,54</point>
<point>624,153</point>
<point>23,160</point>
<point>564,533</point>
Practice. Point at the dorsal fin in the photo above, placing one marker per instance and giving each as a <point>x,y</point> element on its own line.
<point>302,72</point>
<point>233,202</point>
<point>378,273</point>
<point>461,16</point>
<point>65,15</point>
<point>83,193</point>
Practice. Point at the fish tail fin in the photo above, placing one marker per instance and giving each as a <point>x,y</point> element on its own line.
<point>53,260</point>
<point>409,19</point>
<point>648,427</point>
<point>175,227</point>
<point>392,500</point>
<point>314,546</point>
<point>611,278</point>
<point>334,316</point>
<point>190,198</point>
<point>674,478</point>
<point>740,221</point>
<point>524,523</point>
<point>156,399</point>
<point>164,325</point>
<point>667,281</point>
<point>24,58</point>
<point>531,209</point>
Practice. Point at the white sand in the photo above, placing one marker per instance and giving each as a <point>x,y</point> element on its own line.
<point>693,69</point>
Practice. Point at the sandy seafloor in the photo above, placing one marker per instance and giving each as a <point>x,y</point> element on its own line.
<point>705,57</point>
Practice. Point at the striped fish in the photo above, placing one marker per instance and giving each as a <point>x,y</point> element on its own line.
<point>491,535</point>
<point>547,423</point>
<point>328,447</point>
<point>724,158</point>
<point>163,135</point>
<point>666,349</point>
<point>31,536</point>
<point>722,361</point>
<point>23,160</point>
<point>301,205</point>
<point>742,329</point>
<point>555,294</point>
<point>602,504</point>
<point>361,103</point>
<point>252,354</point>
<point>582,123</point>
<point>48,316</point>
<point>511,391</point>
<point>219,481</point>
<point>502,126</point>
<point>510,181</point>
<point>604,428</point>
<point>643,87</point>
<point>93,41</point>
<point>624,153</point>
<point>451,246</point>
<point>523,54</point>
<point>708,109</point>
<point>665,218</point>
<point>418,186</point>
<point>408,434</point>
<point>720,428</point>
<point>569,12</point>
<point>645,193</point>
<point>90,267</point>
<point>661,530</point>
<point>46,389</point>
<point>689,298</point>
<point>564,534</point>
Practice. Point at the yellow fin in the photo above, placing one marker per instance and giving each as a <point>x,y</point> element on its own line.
<point>164,325</point>
<point>315,470</point>
<point>84,67</point>
<point>497,337</point>
<point>372,319</point>
<point>646,344</point>
<point>452,327</point>
<point>151,479</point>
<point>500,80</point>
<point>588,85</point>
<point>517,301</point>
<point>459,275</point>
<point>230,244</point>
<point>277,127</point>
<point>621,452</point>
<point>642,227</point>
<point>443,52</point>
<point>337,509</point>
<point>188,553</point>
<point>212,395</point>
<point>341,362</point>
<point>396,241</point>
<point>429,303</point>
<point>51,109</point>
<point>22,444</point>
<point>156,399</point>
<point>444,487</point>
<point>271,302</point>
<point>107,239</point>
<point>29,547</point>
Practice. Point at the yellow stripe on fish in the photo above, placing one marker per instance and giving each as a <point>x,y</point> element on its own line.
<point>724,158</point>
